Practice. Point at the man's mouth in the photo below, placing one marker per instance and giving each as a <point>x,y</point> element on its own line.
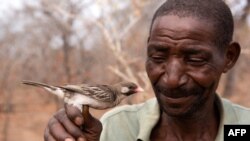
<point>176,100</point>
<point>176,95</point>
<point>179,93</point>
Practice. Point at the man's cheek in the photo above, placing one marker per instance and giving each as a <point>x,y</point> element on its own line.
<point>154,71</point>
<point>205,77</point>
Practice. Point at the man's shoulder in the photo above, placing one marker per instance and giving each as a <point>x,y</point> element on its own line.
<point>125,122</point>
<point>127,111</point>
<point>241,113</point>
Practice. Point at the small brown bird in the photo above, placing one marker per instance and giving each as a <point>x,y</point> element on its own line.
<point>95,96</point>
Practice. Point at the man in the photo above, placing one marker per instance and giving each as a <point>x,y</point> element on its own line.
<point>189,47</point>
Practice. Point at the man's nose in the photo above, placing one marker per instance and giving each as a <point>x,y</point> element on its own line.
<point>174,75</point>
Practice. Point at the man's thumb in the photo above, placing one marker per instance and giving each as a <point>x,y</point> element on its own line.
<point>90,123</point>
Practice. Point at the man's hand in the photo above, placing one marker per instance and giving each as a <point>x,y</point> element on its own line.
<point>68,124</point>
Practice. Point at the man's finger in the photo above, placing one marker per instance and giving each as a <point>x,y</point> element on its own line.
<point>58,132</point>
<point>91,124</point>
<point>85,113</point>
<point>47,136</point>
<point>74,114</point>
<point>50,138</point>
<point>69,126</point>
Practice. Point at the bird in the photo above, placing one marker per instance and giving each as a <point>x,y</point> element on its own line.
<point>97,96</point>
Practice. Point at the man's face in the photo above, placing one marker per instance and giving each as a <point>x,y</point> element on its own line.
<point>183,64</point>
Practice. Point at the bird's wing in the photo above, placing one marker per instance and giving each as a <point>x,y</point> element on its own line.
<point>99,92</point>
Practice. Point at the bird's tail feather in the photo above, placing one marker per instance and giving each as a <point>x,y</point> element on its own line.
<point>38,84</point>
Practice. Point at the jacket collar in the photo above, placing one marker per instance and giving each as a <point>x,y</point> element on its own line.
<point>149,118</point>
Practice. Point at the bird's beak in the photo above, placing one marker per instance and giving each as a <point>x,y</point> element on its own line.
<point>139,89</point>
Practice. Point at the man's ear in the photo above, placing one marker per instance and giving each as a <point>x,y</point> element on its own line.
<point>232,54</point>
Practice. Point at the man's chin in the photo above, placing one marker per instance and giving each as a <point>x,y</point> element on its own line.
<point>177,113</point>
<point>182,108</point>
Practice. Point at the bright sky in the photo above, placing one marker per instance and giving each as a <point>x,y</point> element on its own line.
<point>7,5</point>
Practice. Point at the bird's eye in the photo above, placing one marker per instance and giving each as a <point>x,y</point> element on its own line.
<point>125,89</point>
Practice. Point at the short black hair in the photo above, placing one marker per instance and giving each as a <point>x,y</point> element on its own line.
<point>215,12</point>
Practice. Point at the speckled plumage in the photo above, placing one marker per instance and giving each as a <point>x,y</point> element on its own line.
<point>95,96</point>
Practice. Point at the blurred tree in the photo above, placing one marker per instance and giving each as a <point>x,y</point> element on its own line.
<point>241,13</point>
<point>90,41</point>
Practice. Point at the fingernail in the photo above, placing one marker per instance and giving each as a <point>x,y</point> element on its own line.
<point>78,121</point>
<point>69,139</point>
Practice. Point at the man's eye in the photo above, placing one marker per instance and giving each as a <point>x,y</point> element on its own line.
<point>157,59</point>
<point>196,61</point>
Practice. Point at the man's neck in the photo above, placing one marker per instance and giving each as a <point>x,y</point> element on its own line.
<point>201,126</point>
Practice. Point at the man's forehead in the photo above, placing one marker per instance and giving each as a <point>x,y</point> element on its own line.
<point>176,28</point>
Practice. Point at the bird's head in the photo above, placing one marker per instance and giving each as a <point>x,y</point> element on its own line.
<point>128,88</point>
